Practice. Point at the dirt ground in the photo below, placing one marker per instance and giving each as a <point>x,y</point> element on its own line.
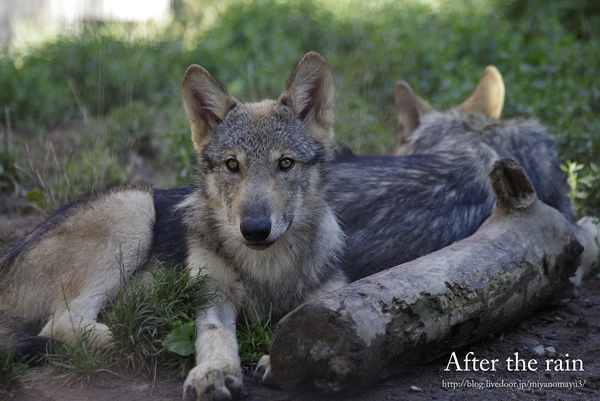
<point>570,325</point>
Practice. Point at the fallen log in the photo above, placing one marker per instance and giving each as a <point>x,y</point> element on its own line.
<point>520,257</point>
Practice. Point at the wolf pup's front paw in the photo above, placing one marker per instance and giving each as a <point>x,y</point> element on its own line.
<point>210,381</point>
<point>262,373</point>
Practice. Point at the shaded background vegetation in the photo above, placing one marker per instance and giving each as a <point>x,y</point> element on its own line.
<point>120,82</point>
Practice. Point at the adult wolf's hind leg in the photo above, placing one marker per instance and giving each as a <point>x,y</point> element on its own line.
<point>81,260</point>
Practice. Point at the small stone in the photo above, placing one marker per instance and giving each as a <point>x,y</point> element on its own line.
<point>539,350</point>
<point>550,352</point>
<point>415,389</point>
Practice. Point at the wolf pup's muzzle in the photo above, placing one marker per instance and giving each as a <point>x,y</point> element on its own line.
<point>256,230</point>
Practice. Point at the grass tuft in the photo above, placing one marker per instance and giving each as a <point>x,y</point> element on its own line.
<point>10,154</point>
<point>254,336</point>
<point>143,315</point>
<point>79,362</point>
<point>143,319</point>
<point>11,371</point>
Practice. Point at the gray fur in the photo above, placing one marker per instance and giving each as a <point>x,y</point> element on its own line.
<point>525,140</point>
<point>395,209</point>
<point>303,257</point>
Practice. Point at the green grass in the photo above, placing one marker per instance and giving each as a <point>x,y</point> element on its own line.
<point>10,154</point>
<point>152,327</point>
<point>144,314</point>
<point>254,336</point>
<point>79,362</point>
<point>126,85</point>
<point>59,179</point>
<point>11,371</point>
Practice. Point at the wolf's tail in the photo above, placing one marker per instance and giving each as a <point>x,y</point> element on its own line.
<point>20,340</point>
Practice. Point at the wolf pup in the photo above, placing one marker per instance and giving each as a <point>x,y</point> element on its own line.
<point>395,209</point>
<point>474,126</point>
<point>257,222</point>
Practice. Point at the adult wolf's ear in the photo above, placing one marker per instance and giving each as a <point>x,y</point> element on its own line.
<point>310,93</point>
<point>206,103</point>
<point>488,96</point>
<point>410,109</point>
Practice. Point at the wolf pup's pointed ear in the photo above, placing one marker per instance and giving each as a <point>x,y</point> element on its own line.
<point>488,96</point>
<point>310,93</point>
<point>410,108</point>
<point>206,103</point>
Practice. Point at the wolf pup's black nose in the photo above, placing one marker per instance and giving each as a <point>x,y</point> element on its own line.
<point>256,229</point>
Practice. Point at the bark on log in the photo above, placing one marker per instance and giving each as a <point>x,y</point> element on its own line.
<point>416,312</point>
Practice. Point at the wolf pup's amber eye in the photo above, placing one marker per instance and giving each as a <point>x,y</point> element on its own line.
<point>232,165</point>
<point>286,163</point>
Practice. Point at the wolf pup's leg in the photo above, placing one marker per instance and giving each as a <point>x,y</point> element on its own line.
<point>108,241</point>
<point>217,374</point>
<point>63,272</point>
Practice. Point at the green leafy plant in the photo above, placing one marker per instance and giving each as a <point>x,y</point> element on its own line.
<point>181,339</point>
<point>578,183</point>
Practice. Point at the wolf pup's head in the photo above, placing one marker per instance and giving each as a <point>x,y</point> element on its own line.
<point>485,103</point>
<point>263,164</point>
